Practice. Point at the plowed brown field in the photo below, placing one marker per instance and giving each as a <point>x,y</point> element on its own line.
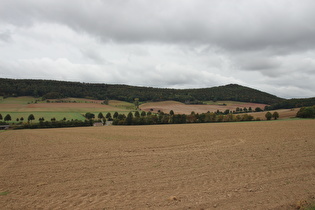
<point>251,165</point>
<point>181,108</point>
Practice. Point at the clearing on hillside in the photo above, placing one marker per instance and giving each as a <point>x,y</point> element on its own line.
<point>247,165</point>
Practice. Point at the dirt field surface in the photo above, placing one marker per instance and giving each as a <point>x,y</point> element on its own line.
<point>250,165</point>
<point>283,113</point>
<point>181,108</point>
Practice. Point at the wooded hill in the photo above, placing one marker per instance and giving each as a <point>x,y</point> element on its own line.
<point>61,89</point>
<point>48,89</point>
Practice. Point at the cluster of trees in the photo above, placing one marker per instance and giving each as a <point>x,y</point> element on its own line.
<point>274,115</point>
<point>148,118</point>
<point>56,124</point>
<point>21,119</point>
<point>243,110</point>
<point>53,123</point>
<point>306,112</point>
<point>49,89</point>
<point>292,103</point>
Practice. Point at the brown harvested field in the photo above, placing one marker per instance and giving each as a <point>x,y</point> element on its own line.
<point>283,113</point>
<point>181,108</point>
<point>250,165</point>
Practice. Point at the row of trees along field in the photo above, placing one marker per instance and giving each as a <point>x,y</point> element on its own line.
<point>172,118</point>
<point>21,119</point>
<point>49,89</point>
<point>42,123</point>
<point>148,118</point>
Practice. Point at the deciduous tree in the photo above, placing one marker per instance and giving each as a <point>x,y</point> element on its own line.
<point>89,115</point>
<point>109,115</point>
<point>100,115</point>
<point>137,114</point>
<point>136,102</point>
<point>31,117</point>
<point>268,116</point>
<point>7,117</point>
<point>275,115</point>
<point>129,118</point>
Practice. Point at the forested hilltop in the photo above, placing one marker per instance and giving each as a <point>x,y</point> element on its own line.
<point>61,89</point>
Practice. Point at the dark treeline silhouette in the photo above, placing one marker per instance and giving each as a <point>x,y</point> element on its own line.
<point>55,124</point>
<point>50,89</point>
<point>292,103</point>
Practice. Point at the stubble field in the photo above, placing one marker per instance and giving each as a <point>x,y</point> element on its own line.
<point>250,165</point>
<point>181,108</point>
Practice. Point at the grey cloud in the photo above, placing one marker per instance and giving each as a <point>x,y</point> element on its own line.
<point>238,25</point>
<point>269,45</point>
<point>5,36</point>
<point>259,63</point>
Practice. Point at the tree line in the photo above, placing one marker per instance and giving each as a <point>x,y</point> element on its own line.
<point>42,123</point>
<point>292,103</point>
<point>148,118</point>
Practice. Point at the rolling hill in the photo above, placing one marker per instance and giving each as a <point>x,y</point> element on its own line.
<point>61,89</point>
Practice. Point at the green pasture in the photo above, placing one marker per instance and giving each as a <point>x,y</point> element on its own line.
<point>18,100</point>
<point>121,104</point>
<point>46,115</point>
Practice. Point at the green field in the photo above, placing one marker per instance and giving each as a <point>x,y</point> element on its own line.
<point>46,115</point>
<point>18,100</point>
<point>19,107</point>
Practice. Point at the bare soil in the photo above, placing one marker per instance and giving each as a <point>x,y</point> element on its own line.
<point>181,108</point>
<point>250,165</point>
<point>283,113</point>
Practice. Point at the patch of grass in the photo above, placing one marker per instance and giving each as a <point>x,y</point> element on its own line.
<point>18,100</point>
<point>310,207</point>
<point>121,104</point>
<point>305,205</point>
<point>4,193</point>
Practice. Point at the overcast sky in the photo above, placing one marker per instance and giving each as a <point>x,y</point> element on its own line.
<point>268,45</point>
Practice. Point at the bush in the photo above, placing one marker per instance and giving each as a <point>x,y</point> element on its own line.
<point>306,112</point>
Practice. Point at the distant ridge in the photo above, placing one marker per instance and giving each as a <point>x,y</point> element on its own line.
<point>61,89</point>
